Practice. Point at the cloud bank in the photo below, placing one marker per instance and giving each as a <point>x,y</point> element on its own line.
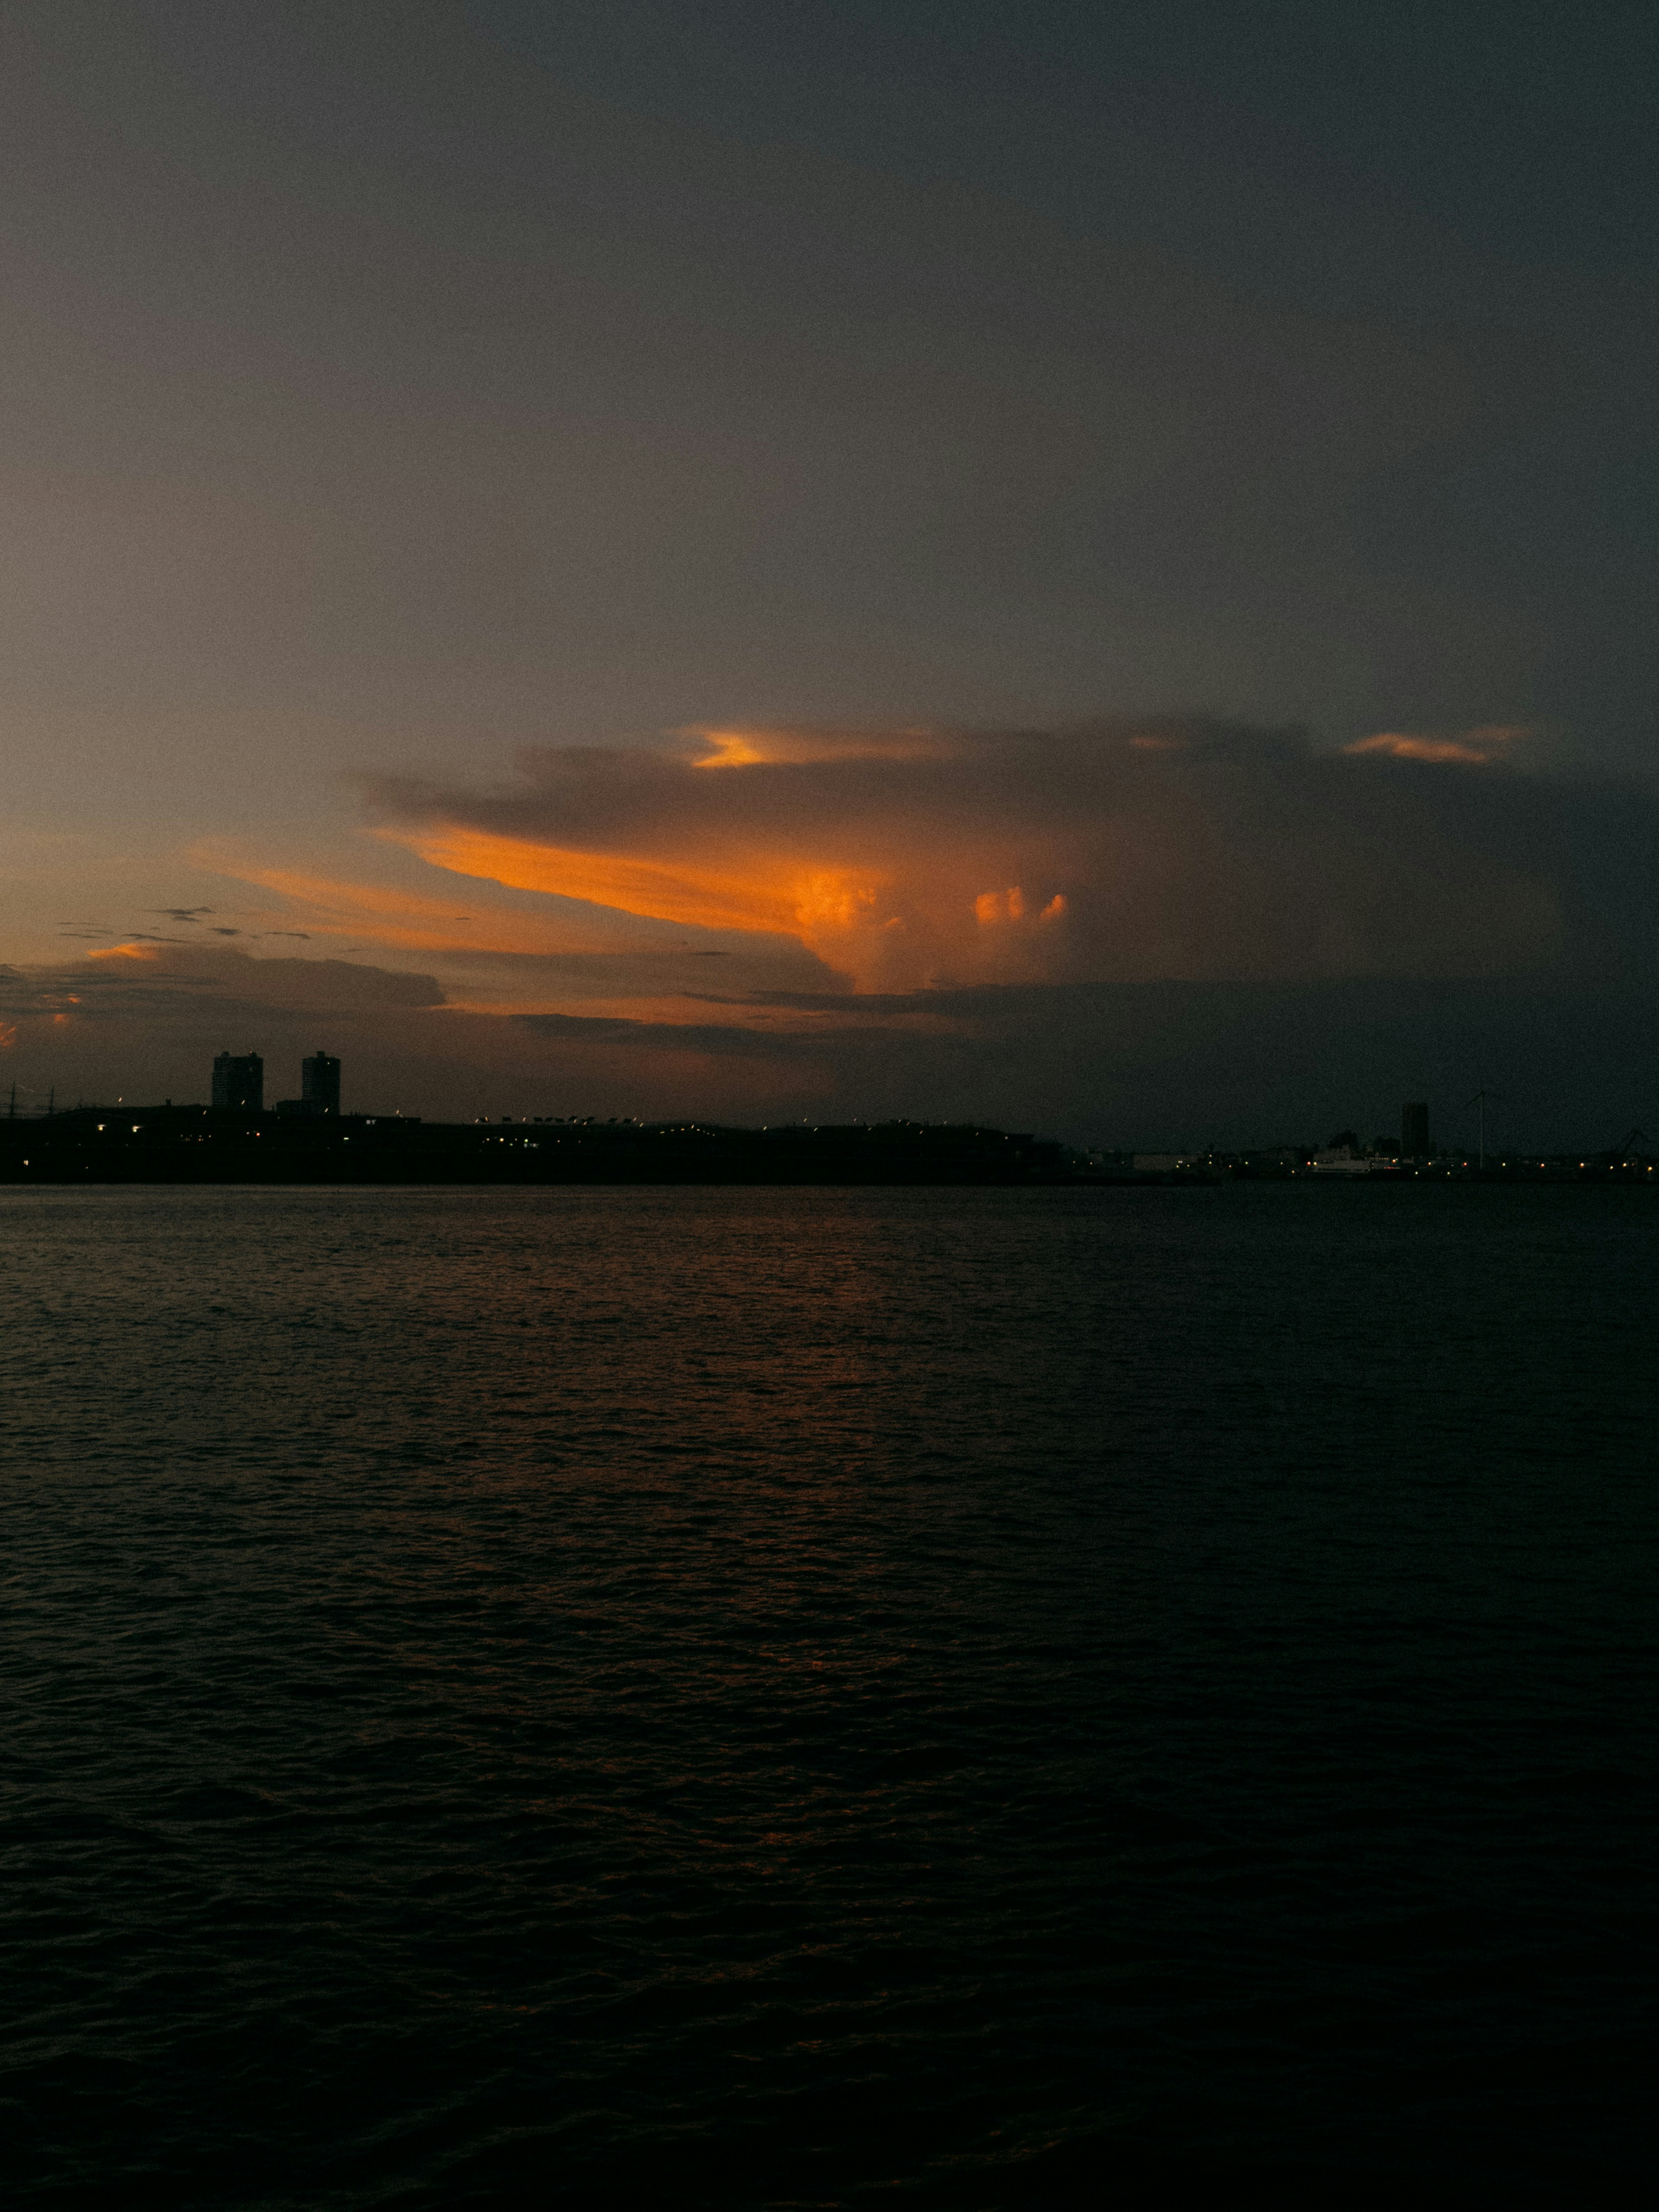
<point>922,859</point>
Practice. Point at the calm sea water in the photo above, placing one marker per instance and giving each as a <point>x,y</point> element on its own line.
<point>827,1698</point>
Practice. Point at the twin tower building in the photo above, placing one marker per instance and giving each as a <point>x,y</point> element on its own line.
<point>239,1081</point>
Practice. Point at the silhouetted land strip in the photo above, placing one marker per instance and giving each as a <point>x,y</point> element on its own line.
<point>206,1144</point>
<point>214,1145</point>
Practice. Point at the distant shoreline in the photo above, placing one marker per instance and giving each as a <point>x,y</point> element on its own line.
<point>196,1144</point>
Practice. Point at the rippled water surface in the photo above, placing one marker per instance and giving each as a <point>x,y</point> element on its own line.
<point>827,1698</point>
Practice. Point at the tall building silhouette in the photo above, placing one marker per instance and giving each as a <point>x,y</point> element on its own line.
<point>1414,1130</point>
<point>320,1082</point>
<point>239,1080</point>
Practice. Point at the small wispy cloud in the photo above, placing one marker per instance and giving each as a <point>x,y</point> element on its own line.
<point>1476,748</point>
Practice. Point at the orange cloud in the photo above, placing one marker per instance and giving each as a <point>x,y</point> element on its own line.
<point>1476,747</point>
<point>1419,749</point>
<point>387,915</point>
<point>929,858</point>
<point>999,905</point>
<point>752,745</point>
<point>390,916</point>
<point>791,901</point>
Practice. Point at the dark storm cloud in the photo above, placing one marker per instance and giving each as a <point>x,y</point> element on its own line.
<point>1171,850</point>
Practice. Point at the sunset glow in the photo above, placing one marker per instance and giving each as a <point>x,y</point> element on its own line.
<point>772,898</point>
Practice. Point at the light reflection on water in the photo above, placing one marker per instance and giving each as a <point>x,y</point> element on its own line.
<point>775,1696</point>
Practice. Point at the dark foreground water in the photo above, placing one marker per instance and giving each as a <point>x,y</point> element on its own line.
<point>835,1698</point>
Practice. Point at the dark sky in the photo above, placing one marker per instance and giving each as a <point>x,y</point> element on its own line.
<point>402,392</point>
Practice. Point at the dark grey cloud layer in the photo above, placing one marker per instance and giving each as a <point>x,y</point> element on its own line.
<point>1142,1065</point>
